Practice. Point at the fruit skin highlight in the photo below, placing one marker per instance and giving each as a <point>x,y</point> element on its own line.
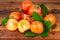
<point>23,26</point>
<point>12,24</point>
<point>15,15</point>
<point>37,27</point>
<point>51,18</point>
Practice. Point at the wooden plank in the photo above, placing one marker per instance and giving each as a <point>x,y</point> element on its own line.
<point>11,6</point>
<point>17,35</point>
<point>30,0</point>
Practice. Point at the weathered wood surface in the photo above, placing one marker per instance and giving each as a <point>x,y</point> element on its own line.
<point>13,4</point>
<point>36,1</point>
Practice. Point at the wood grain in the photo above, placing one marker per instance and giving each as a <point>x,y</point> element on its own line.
<point>31,0</point>
<point>13,4</point>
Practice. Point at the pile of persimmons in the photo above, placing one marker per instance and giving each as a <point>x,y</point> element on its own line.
<point>24,21</point>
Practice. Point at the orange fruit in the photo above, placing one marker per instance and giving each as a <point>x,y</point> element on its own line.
<point>30,11</point>
<point>26,17</point>
<point>23,25</point>
<point>11,24</point>
<point>29,19</point>
<point>36,27</point>
<point>34,8</point>
<point>51,18</point>
<point>25,5</point>
<point>15,15</point>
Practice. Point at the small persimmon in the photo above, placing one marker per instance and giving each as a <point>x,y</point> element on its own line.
<point>15,15</point>
<point>37,27</point>
<point>51,18</point>
<point>12,24</point>
<point>23,25</point>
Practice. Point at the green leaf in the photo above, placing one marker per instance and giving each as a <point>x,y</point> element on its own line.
<point>4,20</point>
<point>28,33</point>
<point>47,27</point>
<point>44,34</point>
<point>37,17</point>
<point>31,34</point>
<point>44,10</point>
<point>54,26</point>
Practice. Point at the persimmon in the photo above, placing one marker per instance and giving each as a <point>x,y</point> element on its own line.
<point>25,5</point>
<point>26,17</point>
<point>34,8</point>
<point>12,24</point>
<point>15,15</point>
<point>37,27</point>
<point>23,25</point>
<point>51,18</point>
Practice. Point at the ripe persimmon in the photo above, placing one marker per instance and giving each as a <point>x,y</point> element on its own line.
<point>51,18</point>
<point>23,25</point>
<point>12,24</point>
<point>37,27</point>
<point>15,15</point>
<point>36,9</point>
<point>25,5</point>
